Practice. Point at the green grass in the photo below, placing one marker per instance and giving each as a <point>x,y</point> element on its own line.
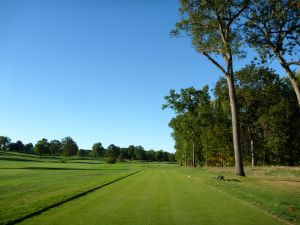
<point>27,185</point>
<point>273,194</point>
<point>160,194</point>
<point>155,196</point>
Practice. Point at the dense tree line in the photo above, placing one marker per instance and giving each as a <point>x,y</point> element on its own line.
<point>269,116</point>
<point>220,30</point>
<point>68,147</point>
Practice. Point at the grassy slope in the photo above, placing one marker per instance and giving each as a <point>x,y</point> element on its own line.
<point>29,183</point>
<point>156,196</point>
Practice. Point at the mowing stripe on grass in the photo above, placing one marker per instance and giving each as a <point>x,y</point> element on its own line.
<point>68,199</point>
<point>154,197</point>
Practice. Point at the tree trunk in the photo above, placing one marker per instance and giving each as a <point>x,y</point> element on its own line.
<point>295,85</point>
<point>235,126</point>
<point>251,147</point>
<point>290,74</point>
<point>252,153</point>
<point>193,155</point>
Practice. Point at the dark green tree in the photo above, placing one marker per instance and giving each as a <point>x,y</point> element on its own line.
<point>69,147</point>
<point>97,150</point>
<point>29,148</point>
<point>55,147</point>
<point>131,152</point>
<point>113,151</point>
<point>123,154</point>
<point>42,147</point>
<point>139,153</point>
<point>4,142</point>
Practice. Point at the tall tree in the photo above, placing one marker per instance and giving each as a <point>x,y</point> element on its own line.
<point>69,147</point>
<point>42,147</point>
<point>188,104</point>
<point>112,151</point>
<point>97,150</point>
<point>55,147</point>
<point>29,148</point>
<point>139,152</point>
<point>213,26</point>
<point>4,142</point>
<point>258,89</point>
<point>273,29</point>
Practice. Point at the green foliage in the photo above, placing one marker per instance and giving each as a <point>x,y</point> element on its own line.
<point>69,147</point>
<point>4,142</point>
<point>55,147</point>
<point>112,151</point>
<point>42,147</point>
<point>97,150</point>
<point>111,160</point>
<point>273,29</point>
<point>83,153</point>
<point>268,113</point>
<point>139,153</point>
<point>212,25</point>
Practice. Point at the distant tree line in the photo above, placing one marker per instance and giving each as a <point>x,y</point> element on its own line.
<point>269,116</point>
<point>68,147</point>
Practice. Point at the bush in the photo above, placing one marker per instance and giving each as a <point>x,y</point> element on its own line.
<point>111,160</point>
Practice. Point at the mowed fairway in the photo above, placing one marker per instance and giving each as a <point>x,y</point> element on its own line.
<point>29,184</point>
<point>155,196</point>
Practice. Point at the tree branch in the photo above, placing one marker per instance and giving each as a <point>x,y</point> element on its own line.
<point>294,63</point>
<point>244,6</point>
<point>214,62</point>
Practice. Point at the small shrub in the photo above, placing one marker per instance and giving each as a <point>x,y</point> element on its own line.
<point>111,160</point>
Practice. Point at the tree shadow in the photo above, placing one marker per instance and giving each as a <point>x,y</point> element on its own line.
<point>57,168</point>
<point>20,159</point>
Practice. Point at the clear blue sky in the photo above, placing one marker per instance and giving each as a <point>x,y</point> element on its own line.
<point>93,70</point>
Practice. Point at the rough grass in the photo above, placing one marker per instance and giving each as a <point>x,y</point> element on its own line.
<point>261,171</point>
<point>273,189</point>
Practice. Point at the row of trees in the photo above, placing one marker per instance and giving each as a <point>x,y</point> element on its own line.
<point>68,147</point>
<point>269,116</point>
<point>219,30</point>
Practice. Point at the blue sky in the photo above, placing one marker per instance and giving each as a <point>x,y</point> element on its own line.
<point>93,70</point>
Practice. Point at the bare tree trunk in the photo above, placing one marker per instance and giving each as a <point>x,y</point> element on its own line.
<point>251,147</point>
<point>235,126</point>
<point>252,153</point>
<point>295,85</point>
<point>290,74</point>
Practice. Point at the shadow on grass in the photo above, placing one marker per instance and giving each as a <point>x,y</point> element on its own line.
<point>56,168</point>
<point>38,212</point>
<point>19,159</point>
<point>234,180</point>
<point>88,162</point>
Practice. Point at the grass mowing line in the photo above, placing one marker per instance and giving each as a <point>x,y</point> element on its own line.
<point>248,203</point>
<point>67,200</point>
